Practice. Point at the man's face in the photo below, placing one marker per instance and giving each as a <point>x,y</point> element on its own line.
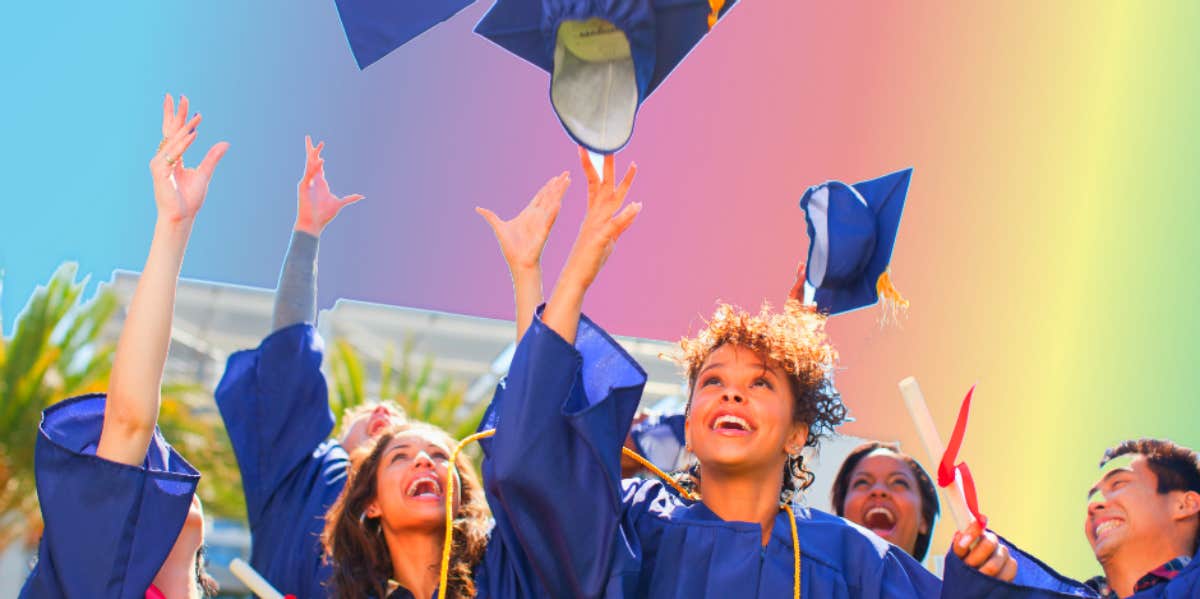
<point>1125,511</point>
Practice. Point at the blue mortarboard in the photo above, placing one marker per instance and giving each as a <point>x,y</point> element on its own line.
<point>376,27</point>
<point>851,232</point>
<point>605,57</point>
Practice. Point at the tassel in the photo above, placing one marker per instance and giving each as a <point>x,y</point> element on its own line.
<point>716,6</point>
<point>890,300</point>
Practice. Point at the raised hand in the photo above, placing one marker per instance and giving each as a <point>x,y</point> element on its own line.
<point>523,238</point>
<point>179,191</point>
<point>603,223</point>
<point>316,204</point>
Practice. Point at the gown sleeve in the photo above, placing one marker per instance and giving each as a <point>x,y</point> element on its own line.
<point>108,526</point>
<point>1034,580</point>
<point>275,405</point>
<point>552,471</point>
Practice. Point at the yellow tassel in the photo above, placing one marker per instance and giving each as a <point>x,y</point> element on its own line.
<point>890,300</point>
<point>716,6</point>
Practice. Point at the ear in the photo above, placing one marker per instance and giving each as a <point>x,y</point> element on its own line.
<point>924,527</point>
<point>1188,505</point>
<point>373,510</point>
<point>796,439</point>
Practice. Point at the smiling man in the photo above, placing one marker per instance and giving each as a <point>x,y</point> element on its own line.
<point>1143,523</point>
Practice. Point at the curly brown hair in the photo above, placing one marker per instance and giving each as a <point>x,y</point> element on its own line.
<point>355,545</point>
<point>795,341</point>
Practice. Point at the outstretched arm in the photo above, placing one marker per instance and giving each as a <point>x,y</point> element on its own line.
<point>603,224</point>
<point>522,240</point>
<point>316,206</point>
<point>134,389</point>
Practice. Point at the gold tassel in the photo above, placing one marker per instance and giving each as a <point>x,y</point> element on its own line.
<point>716,6</point>
<point>892,303</point>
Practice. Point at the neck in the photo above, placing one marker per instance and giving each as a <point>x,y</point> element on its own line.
<point>742,497</point>
<point>1133,561</point>
<point>416,556</point>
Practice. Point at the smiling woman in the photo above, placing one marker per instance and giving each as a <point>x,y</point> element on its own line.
<point>887,491</point>
<point>384,533</point>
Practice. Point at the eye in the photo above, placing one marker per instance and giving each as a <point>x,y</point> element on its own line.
<point>399,456</point>
<point>762,382</point>
<point>859,483</point>
<point>712,380</point>
<point>440,455</point>
<point>902,483</point>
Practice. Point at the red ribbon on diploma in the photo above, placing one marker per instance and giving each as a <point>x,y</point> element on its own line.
<point>947,467</point>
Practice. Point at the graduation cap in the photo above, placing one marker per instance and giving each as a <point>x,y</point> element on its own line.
<point>605,57</point>
<point>376,27</point>
<point>851,231</point>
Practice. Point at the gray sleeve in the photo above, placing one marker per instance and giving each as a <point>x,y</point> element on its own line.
<point>296,295</point>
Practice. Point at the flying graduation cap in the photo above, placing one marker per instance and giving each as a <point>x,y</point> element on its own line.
<point>605,57</point>
<point>851,231</point>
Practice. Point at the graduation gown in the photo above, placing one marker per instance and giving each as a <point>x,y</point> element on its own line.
<point>1036,580</point>
<point>553,474</point>
<point>276,408</point>
<point>108,526</point>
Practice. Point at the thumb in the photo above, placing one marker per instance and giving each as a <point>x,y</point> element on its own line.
<point>491,218</point>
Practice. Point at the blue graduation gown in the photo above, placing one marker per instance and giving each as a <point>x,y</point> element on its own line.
<point>552,471</point>
<point>109,526</point>
<point>276,408</point>
<point>1036,580</point>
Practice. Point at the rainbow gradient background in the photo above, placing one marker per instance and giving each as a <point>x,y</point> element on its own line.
<point>1048,246</point>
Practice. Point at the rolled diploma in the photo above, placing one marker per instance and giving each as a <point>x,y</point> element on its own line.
<point>253,580</point>
<point>915,401</point>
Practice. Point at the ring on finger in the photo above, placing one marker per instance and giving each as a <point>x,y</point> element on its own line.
<point>170,160</point>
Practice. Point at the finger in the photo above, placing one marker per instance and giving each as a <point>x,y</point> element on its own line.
<point>211,159</point>
<point>626,182</point>
<point>311,167</point>
<point>317,150</point>
<point>491,218</point>
<point>964,540</point>
<point>168,115</point>
<point>982,552</point>
<point>350,199</point>
<point>1009,571</point>
<point>308,147</point>
<point>175,148</point>
<point>624,218</point>
<point>609,168</point>
<point>181,114</point>
<point>995,563</point>
<point>551,191</point>
<point>588,170</point>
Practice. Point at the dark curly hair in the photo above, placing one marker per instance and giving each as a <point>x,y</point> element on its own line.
<point>1176,467</point>
<point>355,544</point>
<point>795,341</point>
<point>930,508</point>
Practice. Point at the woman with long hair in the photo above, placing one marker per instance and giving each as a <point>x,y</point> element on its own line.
<point>759,393</point>
<point>383,536</point>
<point>885,490</point>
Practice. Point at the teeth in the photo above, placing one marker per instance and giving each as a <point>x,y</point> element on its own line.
<point>731,419</point>
<point>1106,526</point>
<point>416,484</point>
<point>883,512</point>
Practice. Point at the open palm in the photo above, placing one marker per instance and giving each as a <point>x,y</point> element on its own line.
<point>316,204</point>
<point>179,191</point>
<point>523,238</point>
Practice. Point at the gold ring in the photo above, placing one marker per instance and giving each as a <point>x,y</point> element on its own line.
<point>170,161</point>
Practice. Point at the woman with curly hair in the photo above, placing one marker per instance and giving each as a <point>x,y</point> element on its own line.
<point>759,393</point>
<point>887,491</point>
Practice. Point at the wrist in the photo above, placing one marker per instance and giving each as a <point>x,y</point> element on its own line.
<point>173,227</point>
<point>307,227</point>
